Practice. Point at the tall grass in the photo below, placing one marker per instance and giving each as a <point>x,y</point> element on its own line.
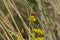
<point>16,22</point>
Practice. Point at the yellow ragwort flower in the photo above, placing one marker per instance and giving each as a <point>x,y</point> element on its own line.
<point>40,38</point>
<point>39,31</point>
<point>32,18</point>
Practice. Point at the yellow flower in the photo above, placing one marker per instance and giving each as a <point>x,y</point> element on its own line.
<point>38,31</point>
<point>32,18</point>
<point>39,38</point>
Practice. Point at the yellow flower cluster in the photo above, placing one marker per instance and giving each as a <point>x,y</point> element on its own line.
<point>39,38</point>
<point>32,18</point>
<point>38,31</point>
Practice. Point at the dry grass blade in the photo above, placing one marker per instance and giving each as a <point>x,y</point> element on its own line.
<point>6,21</point>
<point>4,32</point>
<point>25,26</point>
<point>13,19</point>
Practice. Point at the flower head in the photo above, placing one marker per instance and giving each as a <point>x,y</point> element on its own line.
<point>38,31</point>
<point>40,38</point>
<point>32,18</point>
